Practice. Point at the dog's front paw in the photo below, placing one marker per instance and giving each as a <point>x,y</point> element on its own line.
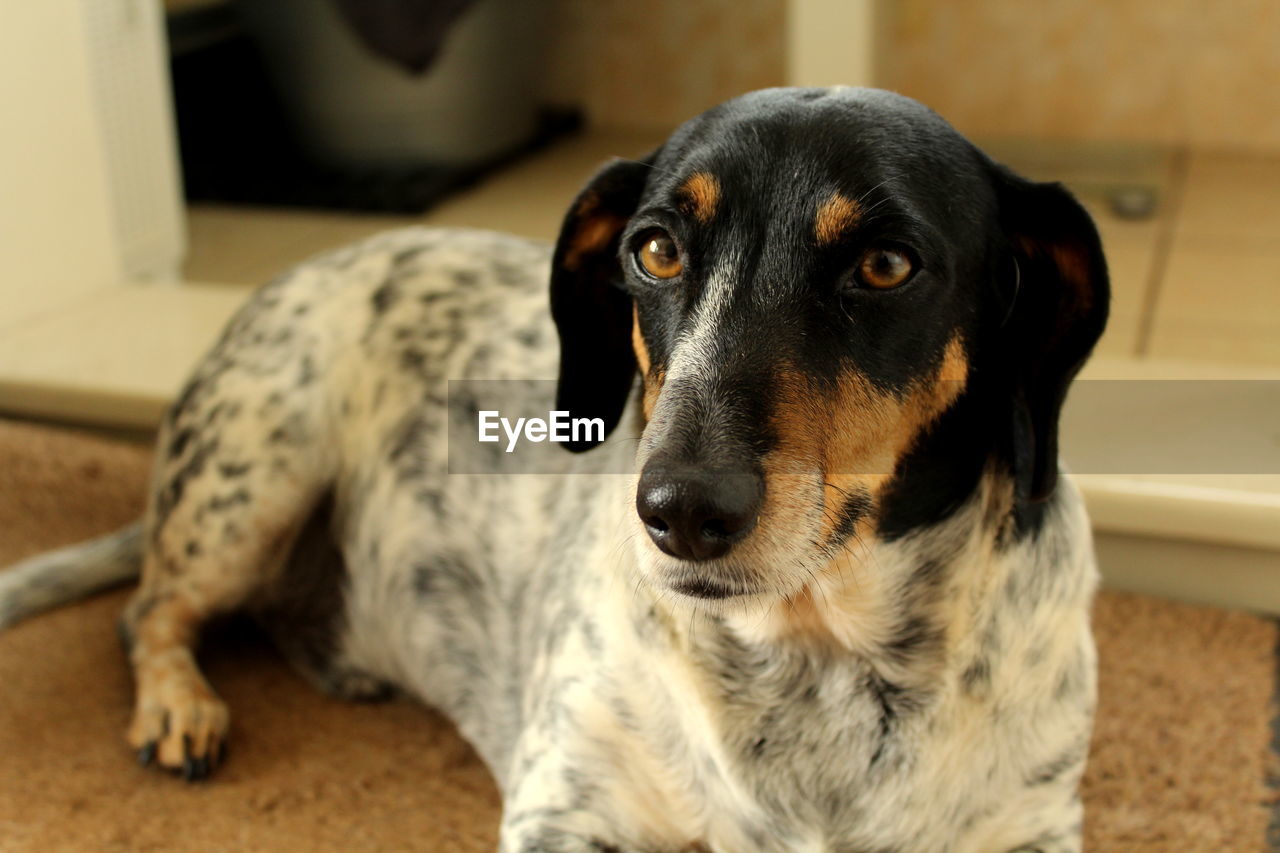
<point>180,727</point>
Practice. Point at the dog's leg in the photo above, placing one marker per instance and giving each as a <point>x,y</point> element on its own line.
<point>545,810</point>
<point>1059,844</point>
<point>554,805</point>
<point>304,613</point>
<point>548,839</point>
<point>179,722</point>
<point>1067,837</point>
<point>230,496</point>
<point>1068,840</point>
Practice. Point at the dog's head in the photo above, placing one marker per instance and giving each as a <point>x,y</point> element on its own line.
<point>842,313</point>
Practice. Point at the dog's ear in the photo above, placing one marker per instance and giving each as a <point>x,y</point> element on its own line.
<point>592,311</point>
<point>1060,296</point>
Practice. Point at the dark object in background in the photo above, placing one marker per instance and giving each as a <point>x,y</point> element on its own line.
<point>237,145</point>
<point>407,32</point>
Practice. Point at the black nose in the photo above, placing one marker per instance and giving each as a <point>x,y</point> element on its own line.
<point>697,513</point>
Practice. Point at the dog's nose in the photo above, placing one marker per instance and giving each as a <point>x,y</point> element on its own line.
<point>697,513</point>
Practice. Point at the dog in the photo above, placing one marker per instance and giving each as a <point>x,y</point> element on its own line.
<point>841,600</point>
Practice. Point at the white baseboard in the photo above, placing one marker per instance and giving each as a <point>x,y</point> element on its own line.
<point>1198,572</point>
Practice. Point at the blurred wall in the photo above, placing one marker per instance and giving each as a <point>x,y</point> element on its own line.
<point>656,63</point>
<point>1193,72</point>
<point>57,227</point>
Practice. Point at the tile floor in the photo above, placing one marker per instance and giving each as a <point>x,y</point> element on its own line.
<point>1219,297</point>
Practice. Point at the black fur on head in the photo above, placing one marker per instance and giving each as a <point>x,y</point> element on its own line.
<point>1009,285</point>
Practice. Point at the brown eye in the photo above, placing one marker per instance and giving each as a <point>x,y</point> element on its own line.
<point>884,268</point>
<point>659,256</point>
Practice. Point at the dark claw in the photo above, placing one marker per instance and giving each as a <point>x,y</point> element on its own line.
<point>188,763</point>
<point>147,754</point>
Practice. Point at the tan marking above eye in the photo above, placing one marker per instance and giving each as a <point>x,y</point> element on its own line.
<point>884,268</point>
<point>700,194</point>
<point>836,215</point>
<point>659,255</point>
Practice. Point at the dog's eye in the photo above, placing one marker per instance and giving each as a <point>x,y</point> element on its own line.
<point>659,255</point>
<point>884,268</point>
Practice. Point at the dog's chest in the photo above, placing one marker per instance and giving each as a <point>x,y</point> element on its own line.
<point>680,731</point>
<point>790,755</point>
<point>744,752</point>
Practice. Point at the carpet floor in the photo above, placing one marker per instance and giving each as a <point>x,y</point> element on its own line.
<point>1179,763</point>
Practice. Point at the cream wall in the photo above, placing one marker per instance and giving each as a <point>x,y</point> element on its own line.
<point>831,42</point>
<point>1180,72</point>
<point>1171,72</point>
<point>57,237</point>
<point>654,64</point>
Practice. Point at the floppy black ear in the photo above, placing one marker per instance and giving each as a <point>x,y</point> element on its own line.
<point>1060,296</point>
<point>592,311</point>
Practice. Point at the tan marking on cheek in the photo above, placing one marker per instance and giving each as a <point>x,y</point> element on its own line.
<point>848,605</point>
<point>955,366</point>
<point>855,436</point>
<point>836,442</point>
<point>637,342</point>
<point>797,423</point>
<point>652,379</point>
<point>875,429</point>
<point>930,398</point>
<point>652,388</point>
<point>857,458</point>
<point>835,216</point>
<point>701,196</point>
<point>826,434</point>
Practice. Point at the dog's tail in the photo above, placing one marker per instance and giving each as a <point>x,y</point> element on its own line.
<point>57,577</point>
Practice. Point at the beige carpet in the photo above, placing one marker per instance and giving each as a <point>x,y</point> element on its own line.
<point>1178,764</point>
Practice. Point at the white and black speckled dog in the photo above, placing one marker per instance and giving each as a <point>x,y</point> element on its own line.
<point>841,603</point>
